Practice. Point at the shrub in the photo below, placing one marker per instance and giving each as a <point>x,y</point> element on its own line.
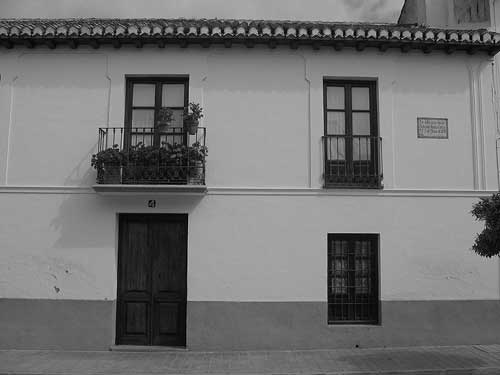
<point>487,243</point>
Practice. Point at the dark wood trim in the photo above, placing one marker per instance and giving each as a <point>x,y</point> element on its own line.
<point>338,46</point>
<point>122,231</point>
<point>158,81</point>
<point>348,83</point>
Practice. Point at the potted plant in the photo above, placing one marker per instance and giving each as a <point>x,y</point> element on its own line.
<point>192,116</point>
<point>195,155</point>
<point>175,163</point>
<point>108,164</point>
<point>164,116</point>
<point>142,164</point>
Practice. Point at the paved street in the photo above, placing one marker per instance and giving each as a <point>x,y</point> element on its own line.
<point>449,360</point>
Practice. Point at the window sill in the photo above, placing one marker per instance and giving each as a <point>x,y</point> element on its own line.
<point>353,324</point>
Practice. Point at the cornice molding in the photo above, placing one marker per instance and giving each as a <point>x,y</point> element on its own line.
<point>284,191</point>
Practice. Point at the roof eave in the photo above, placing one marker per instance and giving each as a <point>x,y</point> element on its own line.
<point>273,42</point>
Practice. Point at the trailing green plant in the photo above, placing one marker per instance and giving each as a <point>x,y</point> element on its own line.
<point>109,156</point>
<point>108,164</point>
<point>150,163</point>
<point>197,152</point>
<point>487,243</point>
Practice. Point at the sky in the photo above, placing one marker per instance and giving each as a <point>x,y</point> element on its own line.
<point>310,10</point>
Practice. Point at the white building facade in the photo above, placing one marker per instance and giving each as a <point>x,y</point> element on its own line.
<point>333,209</point>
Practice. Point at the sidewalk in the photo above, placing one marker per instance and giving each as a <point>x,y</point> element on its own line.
<point>450,360</point>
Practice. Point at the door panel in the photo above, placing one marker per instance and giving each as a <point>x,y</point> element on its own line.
<point>134,317</point>
<point>152,272</point>
<point>169,281</point>
<point>134,284</point>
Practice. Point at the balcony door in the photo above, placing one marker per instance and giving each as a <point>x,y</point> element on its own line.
<point>351,142</point>
<point>152,271</point>
<point>145,97</point>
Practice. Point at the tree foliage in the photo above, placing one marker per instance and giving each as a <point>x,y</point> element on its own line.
<point>487,243</point>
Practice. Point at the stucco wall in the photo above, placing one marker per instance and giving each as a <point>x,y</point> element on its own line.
<point>265,100</point>
<point>246,247</point>
<point>264,115</point>
<point>259,234</point>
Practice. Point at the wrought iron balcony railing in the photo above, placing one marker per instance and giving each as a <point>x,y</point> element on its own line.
<point>149,156</point>
<point>352,161</point>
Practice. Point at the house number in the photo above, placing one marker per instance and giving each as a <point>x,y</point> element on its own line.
<point>151,203</point>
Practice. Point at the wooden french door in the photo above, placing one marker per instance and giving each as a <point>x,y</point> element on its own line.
<point>144,98</point>
<point>152,272</point>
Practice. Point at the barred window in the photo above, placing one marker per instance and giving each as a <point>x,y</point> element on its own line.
<point>353,279</point>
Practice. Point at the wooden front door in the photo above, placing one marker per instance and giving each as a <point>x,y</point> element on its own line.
<point>152,271</point>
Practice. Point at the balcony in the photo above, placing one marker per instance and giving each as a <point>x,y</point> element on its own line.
<point>352,162</point>
<point>148,160</point>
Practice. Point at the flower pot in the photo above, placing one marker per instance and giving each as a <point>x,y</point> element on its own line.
<point>111,174</point>
<point>162,125</point>
<point>195,173</point>
<point>191,126</point>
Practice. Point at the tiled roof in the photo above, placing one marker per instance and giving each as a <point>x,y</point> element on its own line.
<point>94,32</point>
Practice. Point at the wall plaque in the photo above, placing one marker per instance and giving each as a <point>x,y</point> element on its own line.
<point>428,127</point>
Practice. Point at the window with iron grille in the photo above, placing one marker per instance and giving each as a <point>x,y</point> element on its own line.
<point>352,147</point>
<point>353,279</point>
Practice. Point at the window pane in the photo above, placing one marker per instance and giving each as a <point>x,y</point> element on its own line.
<point>339,285</point>
<point>141,137</point>
<point>340,265</point>
<point>361,149</point>
<point>143,95</point>
<point>172,95</point>
<point>143,118</point>
<point>177,117</point>
<point>335,123</point>
<point>362,285</point>
<point>360,123</point>
<point>362,248</point>
<point>335,98</point>
<point>360,98</point>
<point>361,266</point>
<point>335,148</point>
<point>339,248</point>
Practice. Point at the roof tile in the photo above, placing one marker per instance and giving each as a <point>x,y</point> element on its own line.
<point>309,32</point>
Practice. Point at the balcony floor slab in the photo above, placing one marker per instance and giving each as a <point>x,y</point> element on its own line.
<point>128,189</point>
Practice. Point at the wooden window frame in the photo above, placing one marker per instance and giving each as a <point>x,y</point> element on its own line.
<point>350,165</point>
<point>348,85</point>
<point>351,302</point>
<point>158,81</point>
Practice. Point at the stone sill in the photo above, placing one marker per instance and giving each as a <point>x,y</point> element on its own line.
<point>146,348</point>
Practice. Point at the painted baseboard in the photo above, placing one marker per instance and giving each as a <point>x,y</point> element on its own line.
<point>56,324</point>
<point>90,325</point>
<point>303,325</point>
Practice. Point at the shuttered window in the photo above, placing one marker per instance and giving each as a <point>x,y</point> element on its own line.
<point>353,291</point>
